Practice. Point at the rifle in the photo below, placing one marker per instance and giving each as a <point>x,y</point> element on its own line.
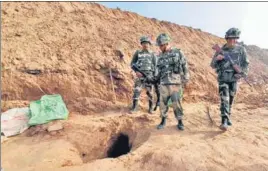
<point>237,69</point>
<point>148,79</point>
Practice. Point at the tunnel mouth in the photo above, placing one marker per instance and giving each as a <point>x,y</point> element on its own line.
<point>120,146</point>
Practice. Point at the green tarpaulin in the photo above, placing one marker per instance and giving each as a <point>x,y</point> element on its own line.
<point>48,108</point>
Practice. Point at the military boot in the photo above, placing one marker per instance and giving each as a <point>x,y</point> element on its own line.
<point>150,107</point>
<point>134,106</point>
<point>229,123</point>
<point>180,125</point>
<point>162,124</point>
<point>224,124</point>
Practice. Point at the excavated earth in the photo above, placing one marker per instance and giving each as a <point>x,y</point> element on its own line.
<point>70,48</point>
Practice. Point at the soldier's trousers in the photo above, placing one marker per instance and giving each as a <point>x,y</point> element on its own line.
<point>157,92</point>
<point>167,92</point>
<point>227,93</point>
<point>139,85</point>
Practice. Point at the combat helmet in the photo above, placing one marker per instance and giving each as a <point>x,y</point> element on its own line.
<point>162,39</point>
<point>233,33</point>
<point>145,39</point>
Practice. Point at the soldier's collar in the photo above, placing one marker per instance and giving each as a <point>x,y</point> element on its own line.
<point>225,47</point>
<point>144,50</point>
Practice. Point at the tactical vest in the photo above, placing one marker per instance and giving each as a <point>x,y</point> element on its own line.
<point>169,67</point>
<point>145,61</point>
<point>225,69</point>
<point>169,62</point>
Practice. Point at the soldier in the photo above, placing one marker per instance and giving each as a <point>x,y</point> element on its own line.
<point>227,74</point>
<point>143,63</point>
<point>172,73</point>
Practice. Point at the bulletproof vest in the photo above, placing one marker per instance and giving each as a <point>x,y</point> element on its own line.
<point>169,62</point>
<point>226,71</point>
<point>235,54</point>
<point>145,61</point>
<point>169,67</point>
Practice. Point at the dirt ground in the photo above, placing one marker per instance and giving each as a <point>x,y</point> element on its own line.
<point>85,140</point>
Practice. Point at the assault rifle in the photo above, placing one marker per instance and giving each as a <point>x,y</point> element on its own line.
<point>227,57</point>
<point>149,79</point>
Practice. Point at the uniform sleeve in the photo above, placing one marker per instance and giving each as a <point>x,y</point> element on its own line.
<point>134,59</point>
<point>156,72</point>
<point>184,65</point>
<point>154,61</point>
<point>214,62</point>
<point>244,62</point>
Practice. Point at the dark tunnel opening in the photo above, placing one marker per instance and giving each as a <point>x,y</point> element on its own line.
<point>120,146</point>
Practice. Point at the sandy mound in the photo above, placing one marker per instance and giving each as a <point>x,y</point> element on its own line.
<point>71,48</point>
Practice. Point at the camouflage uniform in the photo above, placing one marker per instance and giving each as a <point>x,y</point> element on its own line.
<point>173,69</point>
<point>156,89</point>
<point>157,92</point>
<point>172,72</point>
<point>145,61</point>
<point>226,75</point>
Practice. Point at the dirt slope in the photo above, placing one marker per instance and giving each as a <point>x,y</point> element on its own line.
<point>68,48</point>
<point>71,47</point>
<point>261,54</point>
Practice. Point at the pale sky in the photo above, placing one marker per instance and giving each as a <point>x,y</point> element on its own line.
<point>213,17</point>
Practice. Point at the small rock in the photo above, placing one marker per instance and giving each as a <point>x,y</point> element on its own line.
<point>34,130</point>
<point>97,67</point>
<point>44,126</point>
<point>55,127</point>
<point>53,133</point>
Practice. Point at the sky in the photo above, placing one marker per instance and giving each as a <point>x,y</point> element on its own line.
<point>213,17</point>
